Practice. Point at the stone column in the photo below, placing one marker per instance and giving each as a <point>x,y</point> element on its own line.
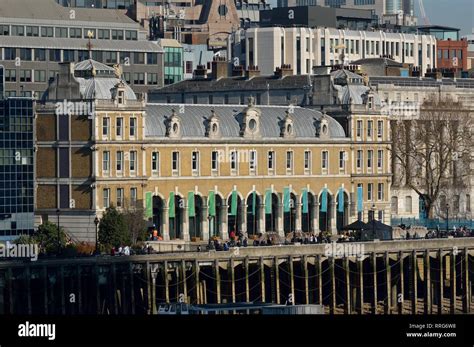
<point>298,215</point>
<point>277,279</point>
<point>347,282</point>
<point>165,229</point>
<point>280,230</point>
<point>374,281</point>
<point>333,219</point>
<point>243,225</point>
<point>217,276</point>
<point>292,279</point>
<point>413,284</point>
<point>453,283</point>
<point>166,282</point>
<point>440,281</point>
<point>388,284</point>
<point>224,229</point>
<point>262,278</point>
<point>304,264</point>
<point>466,283</point>
<point>319,278</point>
<point>350,218</point>
<point>232,278</point>
<point>427,278</point>
<point>360,280</point>
<point>315,220</point>
<point>185,221</point>
<point>261,219</point>
<point>401,290</point>
<point>204,221</point>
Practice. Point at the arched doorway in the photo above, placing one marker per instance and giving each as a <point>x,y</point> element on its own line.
<point>325,216</point>
<point>195,222</point>
<point>271,212</point>
<point>307,213</point>
<point>215,228</point>
<point>253,213</point>
<point>157,218</point>
<point>342,214</point>
<point>234,220</point>
<point>176,209</point>
<point>289,218</point>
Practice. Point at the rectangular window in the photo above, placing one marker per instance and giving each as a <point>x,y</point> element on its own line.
<point>10,75</point>
<point>380,192</point>
<point>133,127</point>
<point>342,160</point>
<point>119,163</point>
<point>152,58</point>
<point>133,197</point>
<point>370,157</point>
<point>105,126</point>
<point>359,159</point>
<point>104,34</point>
<point>25,75</point>
<point>359,128</point>
<point>380,159</point>
<point>271,160</point>
<point>110,57</point>
<point>155,162</point>
<point>139,78</point>
<point>18,30</point>
<point>61,32</point>
<point>369,128</point>
<point>233,161</point>
<point>370,188</point>
<point>106,197</point>
<point>26,54</point>
<point>55,55</point>
<point>175,163</point>
<point>152,79</point>
<point>40,76</point>
<point>40,54</point>
<point>75,33</point>
<point>289,161</point>
<point>106,162</point>
<point>307,160</point>
<point>324,160</point>
<point>139,58</point>
<point>380,129</point>
<point>32,31</point>
<point>253,161</point>
<point>133,161</point>
<point>214,160</point>
<point>119,127</point>
<point>4,30</point>
<point>68,56</point>
<point>119,197</point>
<point>195,163</point>
<point>117,34</point>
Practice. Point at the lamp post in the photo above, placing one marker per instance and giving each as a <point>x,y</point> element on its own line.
<point>96,222</point>
<point>447,218</point>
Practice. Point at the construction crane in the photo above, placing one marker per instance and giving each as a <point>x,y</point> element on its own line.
<point>426,20</point>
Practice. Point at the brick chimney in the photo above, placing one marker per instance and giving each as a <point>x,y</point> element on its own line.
<point>283,71</point>
<point>220,68</point>
<point>252,71</point>
<point>200,72</point>
<point>238,71</point>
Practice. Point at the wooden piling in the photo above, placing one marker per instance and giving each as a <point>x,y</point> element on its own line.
<point>427,283</point>
<point>388,284</point>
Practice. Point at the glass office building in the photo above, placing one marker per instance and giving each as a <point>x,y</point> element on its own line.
<point>16,167</point>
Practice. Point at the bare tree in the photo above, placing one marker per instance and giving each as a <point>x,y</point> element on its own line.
<point>134,215</point>
<point>434,150</point>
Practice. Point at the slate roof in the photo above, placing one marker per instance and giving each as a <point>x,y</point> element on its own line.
<point>195,118</point>
<point>236,83</point>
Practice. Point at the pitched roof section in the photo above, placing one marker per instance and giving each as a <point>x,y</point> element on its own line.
<point>195,117</point>
<point>236,83</point>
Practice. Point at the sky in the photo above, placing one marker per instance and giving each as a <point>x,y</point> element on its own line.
<point>454,13</point>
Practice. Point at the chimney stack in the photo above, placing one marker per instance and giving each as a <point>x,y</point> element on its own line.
<point>200,72</point>
<point>283,71</point>
<point>238,71</point>
<point>220,68</point>
<point>252,71</point>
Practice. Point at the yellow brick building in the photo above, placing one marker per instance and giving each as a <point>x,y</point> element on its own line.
<point>201,170</point>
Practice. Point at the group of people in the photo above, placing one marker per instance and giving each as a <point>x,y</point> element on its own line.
<point>122,250</point>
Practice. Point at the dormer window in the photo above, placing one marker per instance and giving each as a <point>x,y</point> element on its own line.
<point>121,97</point>
<point>174,126</point>
<point>213,128</point>
<point>371,102</point>
<point>287,128</point>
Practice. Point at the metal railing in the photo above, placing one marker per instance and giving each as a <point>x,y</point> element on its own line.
<point>434,223</point>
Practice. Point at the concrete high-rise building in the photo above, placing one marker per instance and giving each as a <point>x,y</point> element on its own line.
<point>393,6</point>
<point>34,42</point>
